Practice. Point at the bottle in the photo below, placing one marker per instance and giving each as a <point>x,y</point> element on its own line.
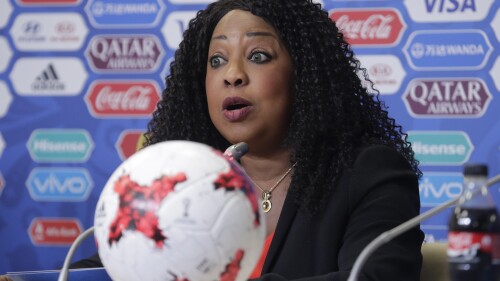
<point>473,230</point>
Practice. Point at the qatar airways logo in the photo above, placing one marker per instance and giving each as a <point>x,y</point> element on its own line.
<point>447,97</point>
<point>129,53</point>
<point>370,27</point>
<point>120,98</point>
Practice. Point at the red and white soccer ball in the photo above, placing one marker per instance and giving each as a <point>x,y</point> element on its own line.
<point>179,210</point>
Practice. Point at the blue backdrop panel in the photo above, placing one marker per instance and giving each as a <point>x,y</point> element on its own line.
<point>80,79</point>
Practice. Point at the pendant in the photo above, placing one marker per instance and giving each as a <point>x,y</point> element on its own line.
<point>266,203</point>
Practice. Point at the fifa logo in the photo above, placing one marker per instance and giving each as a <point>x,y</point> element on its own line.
<point>186,202</point>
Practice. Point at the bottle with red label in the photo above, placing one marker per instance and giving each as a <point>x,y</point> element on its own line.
<point>474,231</point>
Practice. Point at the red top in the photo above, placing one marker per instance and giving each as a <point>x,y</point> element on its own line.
<point>260,264</point>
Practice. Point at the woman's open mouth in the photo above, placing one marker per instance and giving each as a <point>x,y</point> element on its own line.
<point>236,109</point>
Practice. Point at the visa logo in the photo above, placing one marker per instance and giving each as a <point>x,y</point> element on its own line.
<point>450,5</point>
<point>59,184</point>
<point>448,10</point>
<point>437,188</point>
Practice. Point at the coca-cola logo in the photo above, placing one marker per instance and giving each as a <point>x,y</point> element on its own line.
<point>124,53</point>
<point>120,98</point>
<point>466,245</point>
<point>369,26</point>
<point>447,97</point>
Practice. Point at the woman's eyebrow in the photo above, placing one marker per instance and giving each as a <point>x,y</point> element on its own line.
<point>259,33</point>
<point>248,34</point>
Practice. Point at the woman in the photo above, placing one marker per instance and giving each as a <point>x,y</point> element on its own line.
<point>335,171</point>
<point>280,76</point>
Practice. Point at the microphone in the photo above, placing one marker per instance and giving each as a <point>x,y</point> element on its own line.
<point>236,151</point>
<point>233,153</point>
<point>402,228</point>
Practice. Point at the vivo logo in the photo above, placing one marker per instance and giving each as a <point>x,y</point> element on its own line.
<point>59,184</point>
<point>437,188</point>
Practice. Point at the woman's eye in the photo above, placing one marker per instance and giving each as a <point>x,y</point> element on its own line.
<point>260,57</point>
<point>216,61</point>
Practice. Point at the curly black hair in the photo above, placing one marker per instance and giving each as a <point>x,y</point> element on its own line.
<point>333,113</point>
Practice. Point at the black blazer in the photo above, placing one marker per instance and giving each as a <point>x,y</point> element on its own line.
<point>377,194</point>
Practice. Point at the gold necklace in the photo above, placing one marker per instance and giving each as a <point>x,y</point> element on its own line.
<point>266,195</point>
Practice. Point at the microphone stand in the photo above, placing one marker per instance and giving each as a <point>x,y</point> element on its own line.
<point>400,229</point>
<point>63,275</point>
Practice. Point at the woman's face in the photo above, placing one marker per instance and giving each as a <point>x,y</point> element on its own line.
<point>249,82</point>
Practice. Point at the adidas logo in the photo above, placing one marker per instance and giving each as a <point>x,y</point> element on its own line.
<point>48,80</point>
<point>48,74</point>
<point>101,211</point>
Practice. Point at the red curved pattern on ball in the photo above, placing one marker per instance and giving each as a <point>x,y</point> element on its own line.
<point>232,269</point>
<point>235,179</point>
<point>138,205</point>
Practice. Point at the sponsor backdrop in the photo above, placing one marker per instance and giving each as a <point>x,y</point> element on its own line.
<point>80,79</point>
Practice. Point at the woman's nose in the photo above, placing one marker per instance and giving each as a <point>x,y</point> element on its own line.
<point>236,75</point>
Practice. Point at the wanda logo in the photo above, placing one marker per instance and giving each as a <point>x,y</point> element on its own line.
<point>120,98</point>
<point>366,27</point>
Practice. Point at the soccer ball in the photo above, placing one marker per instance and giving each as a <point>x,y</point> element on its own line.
<point>179,210</point>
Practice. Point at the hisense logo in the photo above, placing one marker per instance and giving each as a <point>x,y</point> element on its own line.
<point>441,147</point>
<point>46,145</point>
<point>53,145</point>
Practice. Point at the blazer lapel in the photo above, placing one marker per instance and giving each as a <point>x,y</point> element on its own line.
<point>285,220</point>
